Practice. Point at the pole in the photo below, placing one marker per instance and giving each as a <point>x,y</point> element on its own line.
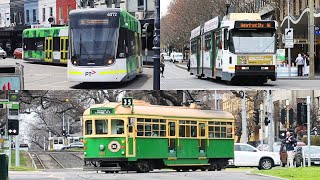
<point>156,49</point>
<point>287,116</point>
<point>184,98</point>
<point>244,119</point>
<point>44,143</point>
<point>63,121</point>
<point>308,126</point>
<point>289,50</point>
<point>17,146</point>
<point>68,126</point>
<point>271,124</point>
<point>261,127</point>
<point>311,40</point>
<point>10,151</point>
<point>215,99</point>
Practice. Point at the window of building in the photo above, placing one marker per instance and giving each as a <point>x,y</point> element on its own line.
<point>34,12</point>
<point>140,2</point>
<point>51,11</point>
<point>101,127</point>
<point>60,12</point>
<point>28,17</point>
<point>69,9</point>
<point>0,19</point>
<point>151,127</point>
<point>43,14</point>
<point>187,128</point>
<point>88,127</point>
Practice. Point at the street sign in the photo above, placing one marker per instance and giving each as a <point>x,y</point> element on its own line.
<point>288,34</point>
<point>127,102</point>
<point>282,134</point>
<point>289,43</point>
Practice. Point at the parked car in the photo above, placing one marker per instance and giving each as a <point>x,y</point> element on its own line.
<point>17,53</point>
<point>3,53</point>
<point>302,152</point>
<point>177,57</point>
<point>246,155</point>
<point>284,155</point>
<point>73,145</point>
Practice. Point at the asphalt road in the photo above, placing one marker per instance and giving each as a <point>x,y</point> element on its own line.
<point>177,78</point>
<point>78,174</point>
<point>54,77</point>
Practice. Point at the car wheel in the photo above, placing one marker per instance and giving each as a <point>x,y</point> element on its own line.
<point>4,57</point>
<point>14,57</point>
<point>265,164</point>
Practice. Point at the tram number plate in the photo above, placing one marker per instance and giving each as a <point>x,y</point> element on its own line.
<point>102,153</point>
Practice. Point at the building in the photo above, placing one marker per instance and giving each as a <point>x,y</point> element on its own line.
<point>31,10</point>
<point>62,10</point>
<point>47,9</point>
<point>5,13</point>
<point>17,12</point>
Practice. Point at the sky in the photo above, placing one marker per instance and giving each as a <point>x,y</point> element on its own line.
<point>164,4</point>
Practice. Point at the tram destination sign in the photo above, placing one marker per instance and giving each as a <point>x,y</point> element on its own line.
<point>255,24</point>
<point>102,111</point>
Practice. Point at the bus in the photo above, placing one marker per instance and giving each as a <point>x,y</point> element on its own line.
<point>240,49</point>
<point>47,45</point>
<point>145,137</point>
<point>105,46</point>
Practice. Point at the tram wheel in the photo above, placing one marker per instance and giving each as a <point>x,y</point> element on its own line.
<point>194,169</point>
<point>203,169</point>
<point>143,167</point>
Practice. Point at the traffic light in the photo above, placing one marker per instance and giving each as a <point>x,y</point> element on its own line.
<point>63,132</point>
<point>2,132</point>
<point>266,121</point>
<point>301,113</point>
<point>13,127</point>
<point>256,117</point>
<point>283,116</point>
<point>291,116</point>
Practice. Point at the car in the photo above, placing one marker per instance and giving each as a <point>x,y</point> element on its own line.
<point>283,153</point>
<point>167,58</point>
<point>3,53</point>
<point>17,53</point>
<point>176,57</point>
<point>73,145</point>
<point>302,153</point>
<point>246,155</point>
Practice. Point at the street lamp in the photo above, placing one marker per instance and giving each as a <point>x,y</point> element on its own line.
<point>145,26</point>
<point>289,50</point>
<point>287,117</point>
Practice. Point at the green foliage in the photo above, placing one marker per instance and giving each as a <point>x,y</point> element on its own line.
<point>315,140</point>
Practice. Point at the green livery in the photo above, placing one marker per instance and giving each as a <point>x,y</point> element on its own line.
<point>145,137</point>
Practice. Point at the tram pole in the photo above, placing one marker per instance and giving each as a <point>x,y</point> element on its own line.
<point>156,49</point>
<point>311,40</point>
<point>244,118</point>
<point>289,50</point>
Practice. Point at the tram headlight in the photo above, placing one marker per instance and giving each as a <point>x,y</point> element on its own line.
<point>110,61</point>
<point>101,147</point>
<point>75,61</point>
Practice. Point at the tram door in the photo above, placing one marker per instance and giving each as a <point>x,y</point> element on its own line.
<point>213,55</point>
<point>198,56</point>
<point>202,140</point>
<point>48,49</point>
<point>172,138</point>
<point>131,139</point>
<point>64,49</point>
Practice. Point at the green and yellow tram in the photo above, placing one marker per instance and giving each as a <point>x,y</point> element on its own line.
<point>49,45</point>
<point>147,137</point>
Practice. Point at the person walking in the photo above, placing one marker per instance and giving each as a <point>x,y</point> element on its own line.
<point>290,142</point>
<point>300,64</point>
<point>162,65</point>
<point>306,65</point>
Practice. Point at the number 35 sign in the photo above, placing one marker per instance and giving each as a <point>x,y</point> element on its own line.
<point>127,102</point>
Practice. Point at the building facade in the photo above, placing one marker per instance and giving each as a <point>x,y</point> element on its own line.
<point>5,13</point>
<point>31,10</point>
<point>17,12</point>
<point>63,7</point>
<point>47,9</point>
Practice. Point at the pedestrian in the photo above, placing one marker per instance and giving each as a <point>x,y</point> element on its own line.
<point>306,65</point>
<point>300,64</point>
<point>162,65</point>
<point>188,65</point>
<point>290,142</point>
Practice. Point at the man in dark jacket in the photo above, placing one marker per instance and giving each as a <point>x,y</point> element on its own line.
<point>290,142</point>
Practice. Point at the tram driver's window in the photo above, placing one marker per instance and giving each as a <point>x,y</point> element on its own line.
<point>117,126</point>
<point>101,126</point>
<point>88,127</point>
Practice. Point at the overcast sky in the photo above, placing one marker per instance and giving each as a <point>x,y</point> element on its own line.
<point>164,4</point>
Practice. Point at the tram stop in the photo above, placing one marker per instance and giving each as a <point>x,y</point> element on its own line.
<point>12,77</point>
<point>4,172</point>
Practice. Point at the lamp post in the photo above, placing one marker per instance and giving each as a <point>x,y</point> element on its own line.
<point>287,117</point>
<point>311,40</point>
<point>289,50</point>
<point>156,49</point>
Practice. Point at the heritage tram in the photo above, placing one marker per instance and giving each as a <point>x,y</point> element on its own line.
<point>240,48</point>
<point>147,137</point>
<point>105,46</point>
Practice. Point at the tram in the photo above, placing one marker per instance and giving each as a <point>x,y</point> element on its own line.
<point>47,45</point>
<point>147,137</point>
<point>240,49</point>
<point>105,46</point>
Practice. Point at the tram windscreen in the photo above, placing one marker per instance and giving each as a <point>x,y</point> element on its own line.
<point>253,41</point>
<point>94,40</point>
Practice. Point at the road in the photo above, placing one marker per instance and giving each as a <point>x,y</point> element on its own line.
<point>78,174</point>
<point>177,78</point>
<point>54,77</point>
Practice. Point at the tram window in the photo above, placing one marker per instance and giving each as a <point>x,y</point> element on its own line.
<point>101,126</point>
<point>208,42</point>
<point>121,43</point>
<point>217,132</point>
<point>172,129</point>
<point>151,127</point>
<point>117,126</point>
<point>223,132</point>
<point>88,127</point>
<point>202,130</point>
<point>60,141</point>
<point>56,44</point>
<point>229,132</point>
<point>182,132</point>
<point>193,131</point>
<point>55,141</point>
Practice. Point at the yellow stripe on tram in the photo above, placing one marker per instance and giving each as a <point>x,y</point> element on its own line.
<point>113,72</point>
<point>75,73</point>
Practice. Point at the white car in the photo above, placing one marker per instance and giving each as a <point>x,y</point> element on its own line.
<point>3,53</point>
<point>246,155</point>
<point>177,57</point>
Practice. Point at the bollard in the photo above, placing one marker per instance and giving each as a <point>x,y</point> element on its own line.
<point>4,175</point>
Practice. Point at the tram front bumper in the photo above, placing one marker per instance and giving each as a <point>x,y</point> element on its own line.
<point>267,71</point>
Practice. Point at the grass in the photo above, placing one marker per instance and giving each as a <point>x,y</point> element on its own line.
<point>25,161</point>
<point>292,173</point>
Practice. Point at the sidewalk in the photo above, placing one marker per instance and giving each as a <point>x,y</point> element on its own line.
<point>317,75</point>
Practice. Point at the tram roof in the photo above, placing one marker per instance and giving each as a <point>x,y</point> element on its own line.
<point>43,32</point>
<point>146,109</point>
